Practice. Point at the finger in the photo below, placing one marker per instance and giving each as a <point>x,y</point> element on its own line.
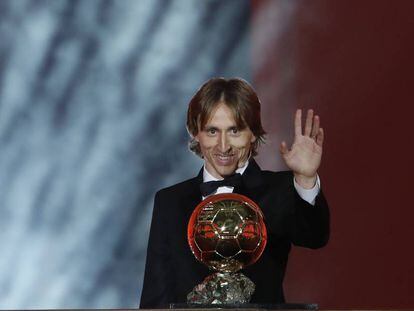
<point>283,148</point>
<point>320,137</point>
<point>315,126</point>
<point>308,124</point>
<point>298,122</point>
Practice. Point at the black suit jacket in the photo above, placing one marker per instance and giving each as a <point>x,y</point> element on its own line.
<point>172,271</point>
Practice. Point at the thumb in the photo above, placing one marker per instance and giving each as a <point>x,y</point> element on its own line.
<point>283,148</point>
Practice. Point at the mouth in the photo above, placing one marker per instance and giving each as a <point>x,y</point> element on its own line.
<point>224,159</point>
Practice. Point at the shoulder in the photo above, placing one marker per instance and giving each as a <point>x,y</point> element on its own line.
<point>178,189</point>
<point>256,176</point>
<point>281,177</point>
<point>277,175</point>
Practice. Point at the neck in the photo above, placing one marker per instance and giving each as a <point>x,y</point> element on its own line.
<point>207,176</point>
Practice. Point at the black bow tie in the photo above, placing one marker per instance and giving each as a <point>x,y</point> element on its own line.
<point>209,187</point>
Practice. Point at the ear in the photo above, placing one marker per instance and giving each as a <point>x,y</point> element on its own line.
<point>253,139</point>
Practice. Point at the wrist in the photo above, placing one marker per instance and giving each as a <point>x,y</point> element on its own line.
<point>306,182</point>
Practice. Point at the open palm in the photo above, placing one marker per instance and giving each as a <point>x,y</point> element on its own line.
<point>304,156</point>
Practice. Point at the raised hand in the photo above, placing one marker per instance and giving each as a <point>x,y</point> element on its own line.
<point>304,156</point>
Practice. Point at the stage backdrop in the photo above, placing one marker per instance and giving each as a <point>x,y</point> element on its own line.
<point>352,62</point>
<point>93,96</point>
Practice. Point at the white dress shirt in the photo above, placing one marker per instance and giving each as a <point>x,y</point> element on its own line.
<point>309,195</point>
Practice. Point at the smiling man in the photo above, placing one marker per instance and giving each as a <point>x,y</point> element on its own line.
<point>224,123</point>
<point>224,145</point>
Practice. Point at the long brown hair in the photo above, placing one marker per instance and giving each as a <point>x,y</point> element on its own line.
<point>238,95</point>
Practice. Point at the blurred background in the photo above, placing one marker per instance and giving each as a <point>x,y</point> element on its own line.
<point>93,99</point>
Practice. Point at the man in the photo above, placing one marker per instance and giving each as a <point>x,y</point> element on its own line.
<point>224,123</point>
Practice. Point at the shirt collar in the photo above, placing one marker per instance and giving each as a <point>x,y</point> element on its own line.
<point>208,177</point>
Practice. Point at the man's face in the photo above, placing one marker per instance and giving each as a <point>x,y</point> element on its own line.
<point>224,146</point>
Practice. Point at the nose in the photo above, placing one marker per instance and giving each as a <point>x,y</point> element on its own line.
<point>224,143</point>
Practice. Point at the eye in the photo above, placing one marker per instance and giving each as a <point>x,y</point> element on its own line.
<point>211,131</point>
<point>234,130</point>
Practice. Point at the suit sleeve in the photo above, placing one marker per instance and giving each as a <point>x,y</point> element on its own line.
<point>309,225</point>
<point>157,287</point>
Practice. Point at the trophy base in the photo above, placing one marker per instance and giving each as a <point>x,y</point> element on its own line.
<point>250,306</point>
<point>222,288</point>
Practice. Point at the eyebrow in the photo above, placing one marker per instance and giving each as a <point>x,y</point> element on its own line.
<point>212,127</point>
<point>209,127</point>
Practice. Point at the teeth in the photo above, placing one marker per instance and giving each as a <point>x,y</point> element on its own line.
<point>224,157</point>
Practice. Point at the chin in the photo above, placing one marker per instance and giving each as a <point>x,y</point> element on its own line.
<point>227,171</point>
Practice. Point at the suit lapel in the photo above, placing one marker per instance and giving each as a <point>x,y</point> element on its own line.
<point>192,197</point>
<point>253,182</point>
